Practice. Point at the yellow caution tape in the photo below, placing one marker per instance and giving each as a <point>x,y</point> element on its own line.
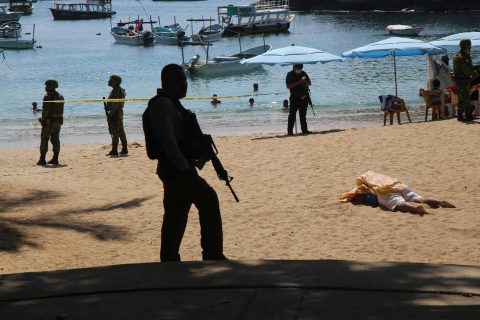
<point>147,99</point>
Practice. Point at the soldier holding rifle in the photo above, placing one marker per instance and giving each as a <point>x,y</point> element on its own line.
<point>172,136</point>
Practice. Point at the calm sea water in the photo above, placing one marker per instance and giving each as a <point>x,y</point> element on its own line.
<point>82,54</point>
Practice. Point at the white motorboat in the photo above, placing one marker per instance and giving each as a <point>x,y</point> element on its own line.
<point>225,65</point>
<point>404,30</point>
<point>10,36</point>
<point>209,34</point>
<point>7,15</point>
<point>130,37</point>
<point>10,29</point>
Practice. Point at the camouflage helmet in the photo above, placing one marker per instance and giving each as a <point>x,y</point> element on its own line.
<point>52,83</point>
<point>116,78</point>
<point>465,43</point>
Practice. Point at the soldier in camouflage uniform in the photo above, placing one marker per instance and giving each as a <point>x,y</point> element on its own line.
<point>462,75</point>
<point>51,120</point>
<point>115,116</point>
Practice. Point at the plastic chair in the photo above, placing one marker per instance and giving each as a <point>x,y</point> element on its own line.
<point>428,105</point>
<point>390,112</point>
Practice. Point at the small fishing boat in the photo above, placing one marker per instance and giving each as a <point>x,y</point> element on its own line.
<point>7,15</point>
<point>261,17</point>
<point>167,36</point>
<point>225,65</point>
<point>209,34</point>
<point>91,9</point>
<point>23,6</point>
<point>10,29</point>
<point>130,37</point>
<point>10,36</point>
<point>404,30</point>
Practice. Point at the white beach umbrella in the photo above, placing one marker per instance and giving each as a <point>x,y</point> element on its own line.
<point>395,47</point>
<point>452,42</point>
<point>293,55</point>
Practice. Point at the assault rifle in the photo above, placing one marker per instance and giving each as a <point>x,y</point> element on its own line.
<point>207,150</point>
<point>212,152</point>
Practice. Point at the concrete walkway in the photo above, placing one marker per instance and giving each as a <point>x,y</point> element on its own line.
<point>325,289</point>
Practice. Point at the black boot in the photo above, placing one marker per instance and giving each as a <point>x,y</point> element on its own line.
<point>54,159</point>
<point>114,151</point>
<point>124,151</point>
<point>41,161</point>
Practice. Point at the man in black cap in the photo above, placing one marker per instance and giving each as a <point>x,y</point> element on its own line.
<point>462,73</point>
<point>169,139</point>
<point>51,120</point>
<point>298,81</point>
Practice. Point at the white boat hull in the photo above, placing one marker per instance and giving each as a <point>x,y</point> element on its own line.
<point>11,43</point>
<point>228,65</point>
<point>404,30</point>
<point>132,40</point>
<point>213,68</point>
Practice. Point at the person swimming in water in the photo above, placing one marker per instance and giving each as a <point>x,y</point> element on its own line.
<point>34,107</point>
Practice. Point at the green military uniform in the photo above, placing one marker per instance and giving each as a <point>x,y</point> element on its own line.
<point>52,114</point>
<point>462,74</point>
<point>115,119</point>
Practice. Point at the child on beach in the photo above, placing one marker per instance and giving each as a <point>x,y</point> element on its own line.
<point>436,99</point>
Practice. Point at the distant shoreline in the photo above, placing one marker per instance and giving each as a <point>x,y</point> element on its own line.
<point>390,6</point>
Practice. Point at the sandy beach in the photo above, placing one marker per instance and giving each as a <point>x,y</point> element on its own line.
<point>94,210</point>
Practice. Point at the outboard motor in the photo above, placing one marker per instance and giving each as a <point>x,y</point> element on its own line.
<point>147,38</point>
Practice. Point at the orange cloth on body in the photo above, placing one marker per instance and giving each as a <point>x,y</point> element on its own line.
<point>373,182</point>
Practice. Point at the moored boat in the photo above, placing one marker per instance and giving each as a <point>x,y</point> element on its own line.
<point>262,17</point>
<point>91,9</point>
<point>404,30</point>
<point>132,38</point>
<point>23,6</point>
<point>210,34</point>
<point>225,65</point>
<point>10,29</point>
<point>7,15</point>
<point>14,40</point>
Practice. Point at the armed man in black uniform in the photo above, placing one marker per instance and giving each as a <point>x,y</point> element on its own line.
<point>168,138</point>
<point>298,81</point>
<point>51,120</point>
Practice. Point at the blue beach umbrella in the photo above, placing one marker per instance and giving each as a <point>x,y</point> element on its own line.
<point>293,55</point>
<point>453,41</point>
<point>395,47</point>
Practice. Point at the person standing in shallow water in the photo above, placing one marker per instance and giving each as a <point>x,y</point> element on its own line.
<point>298,81</point>
<point>168,138</point>
<point>115,116</point>
<point>51,121</point>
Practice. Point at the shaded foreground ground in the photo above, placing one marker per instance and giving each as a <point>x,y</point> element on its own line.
<point>327,289</point>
